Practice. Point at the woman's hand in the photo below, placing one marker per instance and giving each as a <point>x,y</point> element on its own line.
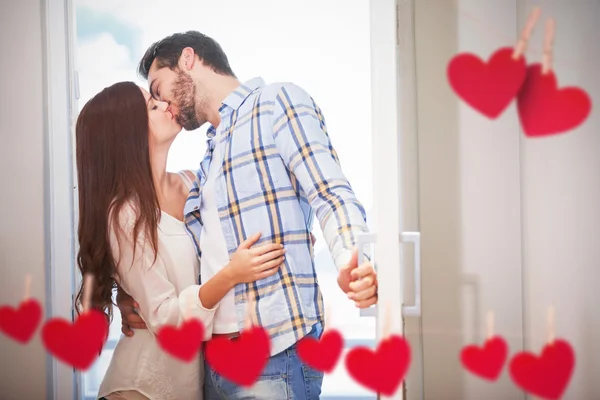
<point>252,264</point>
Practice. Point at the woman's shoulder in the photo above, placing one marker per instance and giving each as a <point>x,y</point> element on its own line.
<point>188,176</point>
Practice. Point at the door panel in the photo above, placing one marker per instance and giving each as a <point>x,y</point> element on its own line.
<point>469,202</point>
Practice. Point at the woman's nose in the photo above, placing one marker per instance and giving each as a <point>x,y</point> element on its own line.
<point>163,105</point>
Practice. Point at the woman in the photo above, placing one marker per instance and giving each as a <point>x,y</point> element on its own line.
<point>132,234</point>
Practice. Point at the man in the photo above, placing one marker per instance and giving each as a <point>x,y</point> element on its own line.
<point>269,166</point>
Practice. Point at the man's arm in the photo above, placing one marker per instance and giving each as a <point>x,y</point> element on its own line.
<point>301,138</point>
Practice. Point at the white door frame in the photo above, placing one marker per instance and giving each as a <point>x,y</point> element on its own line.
<point>60,106</point>
<point>386,127</point>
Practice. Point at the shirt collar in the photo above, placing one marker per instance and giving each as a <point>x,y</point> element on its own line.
<point>235,99</point>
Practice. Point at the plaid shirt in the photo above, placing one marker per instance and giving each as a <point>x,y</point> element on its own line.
<point>279,167</point>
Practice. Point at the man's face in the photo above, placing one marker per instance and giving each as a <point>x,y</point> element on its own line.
<point>177,88</point>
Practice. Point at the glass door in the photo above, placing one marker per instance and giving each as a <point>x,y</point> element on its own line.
<point>343,54</point>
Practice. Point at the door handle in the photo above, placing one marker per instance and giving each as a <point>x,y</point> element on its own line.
<point>405,237</point>
<point>415,239</point>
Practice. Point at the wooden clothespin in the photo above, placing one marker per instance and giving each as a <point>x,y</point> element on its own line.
<point>490,325</point>
<point>27,287</point>
<point>88,282</point>
<point>521,45</point>
<point>327,319</point>
<point>248,321</point>
<point>550,325</point>
<point>548,46</point>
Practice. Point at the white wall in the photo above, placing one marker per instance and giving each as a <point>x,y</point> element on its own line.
<point>561,203</point>
<point>22,239</point>
<point>516,217</point>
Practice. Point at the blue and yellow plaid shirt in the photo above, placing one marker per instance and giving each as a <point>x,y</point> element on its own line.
<point>279,168</point>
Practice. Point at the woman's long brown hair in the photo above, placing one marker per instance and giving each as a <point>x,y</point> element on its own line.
<point>113,169</point>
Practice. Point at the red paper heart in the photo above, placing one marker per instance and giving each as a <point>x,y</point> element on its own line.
<point>486,362</point>
<point>240,360</point>
<point>21,324</point>
<point>77,344</point>
<point>487,87</point>
<point>381,370</point>
<point>546,110</point>
<point>322,354</point>
<point>546,376</point>
<point>182,342</point>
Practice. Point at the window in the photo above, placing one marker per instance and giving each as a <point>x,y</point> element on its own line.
<point>322,46</point>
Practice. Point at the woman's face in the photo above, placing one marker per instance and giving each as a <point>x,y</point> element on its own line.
<point>163,126</point>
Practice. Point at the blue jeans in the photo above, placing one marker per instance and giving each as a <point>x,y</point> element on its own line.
<point>285,377</point>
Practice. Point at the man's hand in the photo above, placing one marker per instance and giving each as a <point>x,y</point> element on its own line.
<point>359,282</point>
<point>129,318</point>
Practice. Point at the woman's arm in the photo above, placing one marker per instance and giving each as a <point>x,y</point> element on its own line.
<point>214,289</point>
<point>246,265</point>
<point>145,280</point>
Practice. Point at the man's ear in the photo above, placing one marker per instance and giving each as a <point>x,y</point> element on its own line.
<point>187,59</point>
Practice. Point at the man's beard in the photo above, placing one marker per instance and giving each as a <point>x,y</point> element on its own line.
<point>184,94</point>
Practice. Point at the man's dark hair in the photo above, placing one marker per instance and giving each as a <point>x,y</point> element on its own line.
<point>166,52</point>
